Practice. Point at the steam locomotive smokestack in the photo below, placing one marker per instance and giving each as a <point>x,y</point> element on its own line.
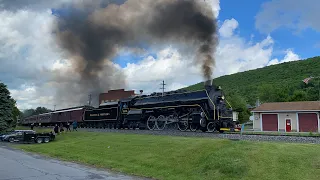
<point>208,83</point>
<point>92,33</point>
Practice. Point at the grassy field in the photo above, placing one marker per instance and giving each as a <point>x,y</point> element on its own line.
<point>246,132</point>
<point>165,157</point>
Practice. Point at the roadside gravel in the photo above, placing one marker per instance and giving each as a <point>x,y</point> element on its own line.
<point>290,139</point>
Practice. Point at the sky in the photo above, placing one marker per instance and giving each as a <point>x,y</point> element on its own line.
<point>252,34</point>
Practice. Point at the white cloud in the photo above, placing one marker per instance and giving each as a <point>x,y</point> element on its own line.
<point>228,27</point>
<point>27,48</point>
<point>294,14</point>
<point>30,97</point>
<point>34,69</point>
<point>290,56</point>
<point>30,57</point>
<point>169,66</point>
<point>234,54</point>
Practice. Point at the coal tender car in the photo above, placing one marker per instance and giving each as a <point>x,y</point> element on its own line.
<point>204,110</point>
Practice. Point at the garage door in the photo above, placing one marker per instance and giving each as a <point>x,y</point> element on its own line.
<point>270,122</point>
<point>308,122</point>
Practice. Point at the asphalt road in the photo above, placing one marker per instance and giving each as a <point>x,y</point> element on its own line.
<point>17,165</point>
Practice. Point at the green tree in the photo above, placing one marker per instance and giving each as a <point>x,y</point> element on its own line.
<point>239,104</point>
<point>41,110</point>
<point>299,95</point>
<point>7,105</point>
<point>269,93</point>
<point>17,114</point>
<point>28,112</point>
<point>38,110</point>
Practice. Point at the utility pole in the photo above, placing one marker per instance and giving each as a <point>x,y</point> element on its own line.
<point>54,107</point>
<point>163,84</point>
<point>89,99</point>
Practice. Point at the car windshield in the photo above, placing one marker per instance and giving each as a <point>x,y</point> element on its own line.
<point>24,131</point>
<point>9,133</point>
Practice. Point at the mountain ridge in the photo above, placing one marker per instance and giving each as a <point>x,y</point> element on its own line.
<point>287,75</point>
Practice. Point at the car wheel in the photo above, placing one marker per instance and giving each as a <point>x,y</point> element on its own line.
<point>39,140</point>
<point>46,140</point>
<point>11,139</point>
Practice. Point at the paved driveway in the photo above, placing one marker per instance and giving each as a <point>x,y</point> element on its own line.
<point>17,165</point>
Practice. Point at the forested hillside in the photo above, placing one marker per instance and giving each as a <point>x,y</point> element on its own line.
<point>276,83</point>
<point>282,82</point>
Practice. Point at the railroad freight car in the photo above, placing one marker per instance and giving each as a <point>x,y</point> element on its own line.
<point>205,110</point>
<point>62,116</point>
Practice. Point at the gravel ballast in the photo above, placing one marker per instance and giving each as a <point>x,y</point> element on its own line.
<point>292,139</point>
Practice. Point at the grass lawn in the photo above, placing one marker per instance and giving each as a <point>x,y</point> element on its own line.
<point>165,157</point>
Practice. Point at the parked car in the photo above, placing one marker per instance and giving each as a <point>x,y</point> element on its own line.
<point>27,136</point>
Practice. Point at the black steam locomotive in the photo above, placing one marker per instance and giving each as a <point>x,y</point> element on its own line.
<point>205,110</point>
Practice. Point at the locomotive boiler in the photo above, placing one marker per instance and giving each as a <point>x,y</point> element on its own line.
<point>205,110</point>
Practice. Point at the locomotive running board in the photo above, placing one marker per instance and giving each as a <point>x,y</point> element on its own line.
<point>228,129</point>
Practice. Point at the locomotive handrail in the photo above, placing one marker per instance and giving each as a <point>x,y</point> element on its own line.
<point>214,109</point>
<point>225,117</point>
<point>171,94</point>
<point>176,106</point>
<point>168,101</point>
<point>228,103</point>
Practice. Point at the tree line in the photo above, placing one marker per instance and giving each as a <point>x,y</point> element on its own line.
<point>38,110</point>
<point>9,112</point>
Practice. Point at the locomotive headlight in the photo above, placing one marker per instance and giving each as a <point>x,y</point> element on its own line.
<point>202,114</point>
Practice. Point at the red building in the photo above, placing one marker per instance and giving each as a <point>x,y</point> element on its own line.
<point>115,95</point>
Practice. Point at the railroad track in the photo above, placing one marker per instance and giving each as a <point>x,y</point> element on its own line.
<point>231,136</point>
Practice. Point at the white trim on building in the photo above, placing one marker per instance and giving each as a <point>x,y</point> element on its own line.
<point>297,122</point>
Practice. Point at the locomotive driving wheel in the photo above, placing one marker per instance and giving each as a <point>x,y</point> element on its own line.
<point>211,127</point>
<point>161,122</point>
<point>183,124</point>
<point>171,122</point>
<point>151,123</point>
<point>193,127</point>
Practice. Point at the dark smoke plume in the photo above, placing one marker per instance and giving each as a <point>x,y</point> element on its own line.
<point>92,33</point>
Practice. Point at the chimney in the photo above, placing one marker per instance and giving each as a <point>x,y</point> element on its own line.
<point>258,102</point>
